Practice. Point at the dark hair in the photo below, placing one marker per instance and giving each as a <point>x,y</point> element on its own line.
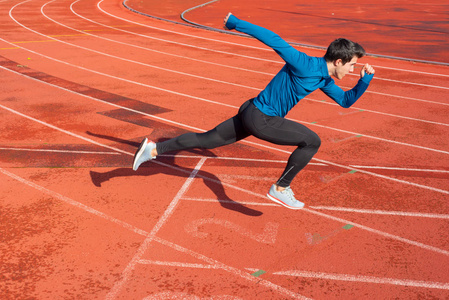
<point>343,49</point>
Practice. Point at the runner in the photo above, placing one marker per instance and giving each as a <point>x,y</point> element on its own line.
<point>264,116</point>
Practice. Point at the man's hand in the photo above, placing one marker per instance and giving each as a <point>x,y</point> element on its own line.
<point>367,69</point>
<point>226,21</point>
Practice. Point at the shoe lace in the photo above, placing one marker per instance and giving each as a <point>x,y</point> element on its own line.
<point>288,191</point>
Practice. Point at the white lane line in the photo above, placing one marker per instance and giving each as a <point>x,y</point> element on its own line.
<point>378,112</point>
<point>210,261</point>
<point>232,202</point>
<point>129,60</point>
<point>153,50</point>
<point>177,264</point>
<point>410,71</point>
<point>382,212</point>
<point>431,248</point>
<point>239,159</point>
<point>381,233</point>
<point>75,203</point>
<point>401,97</point>
<point>247,46</point>
<point>62,130</point>
<point>127,272</point>
<point>366,279</point>
<point>59,151</point>
<point>371,137</point>
<point>400,169</point>
<point>236,177</point>
<point>331,208</point>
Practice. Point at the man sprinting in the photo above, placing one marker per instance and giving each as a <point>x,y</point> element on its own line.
<point>264,115</point>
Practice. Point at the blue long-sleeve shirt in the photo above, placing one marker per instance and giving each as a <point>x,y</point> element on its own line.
<point>300,76</point>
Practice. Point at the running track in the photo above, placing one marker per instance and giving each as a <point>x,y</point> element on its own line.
<point>84,81</point>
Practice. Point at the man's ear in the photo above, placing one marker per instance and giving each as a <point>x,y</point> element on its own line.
<point>338,62</point>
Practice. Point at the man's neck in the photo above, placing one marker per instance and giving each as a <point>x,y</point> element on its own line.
<point>330,68</point>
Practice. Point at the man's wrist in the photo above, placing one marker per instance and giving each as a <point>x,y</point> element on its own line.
<point>367,78</point>
<point>232,22</point>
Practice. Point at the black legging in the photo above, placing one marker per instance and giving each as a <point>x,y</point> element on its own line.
<point>251,121</point>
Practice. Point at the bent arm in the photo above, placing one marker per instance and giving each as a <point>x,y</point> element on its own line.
<point>348,98</point>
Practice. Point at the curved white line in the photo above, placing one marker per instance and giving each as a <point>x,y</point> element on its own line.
<point>57,151</point>
<point>379,113</point>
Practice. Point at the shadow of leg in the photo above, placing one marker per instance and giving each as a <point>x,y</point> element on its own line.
<point>211,181</point>
<point>215,185</point>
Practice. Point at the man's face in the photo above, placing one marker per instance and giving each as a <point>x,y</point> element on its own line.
<point>342,69</point>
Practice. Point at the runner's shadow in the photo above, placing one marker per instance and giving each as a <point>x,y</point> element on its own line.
<point>151,168</point>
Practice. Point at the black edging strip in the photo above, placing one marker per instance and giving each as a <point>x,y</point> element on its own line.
<point>196,25</point>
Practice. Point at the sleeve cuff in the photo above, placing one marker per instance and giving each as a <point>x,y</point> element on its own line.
<point>367,78</point>
<point>232,22</point>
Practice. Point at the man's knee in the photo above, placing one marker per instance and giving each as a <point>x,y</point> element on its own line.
<point>314,141</point>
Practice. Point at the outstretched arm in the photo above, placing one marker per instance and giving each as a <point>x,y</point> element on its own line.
<point>289,54</point>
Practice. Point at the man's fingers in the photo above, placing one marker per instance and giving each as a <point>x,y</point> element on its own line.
<point>226,20</point>
<point>368,69</point>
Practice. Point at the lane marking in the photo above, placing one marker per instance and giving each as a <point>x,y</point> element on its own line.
<point>331,208</point>
<point>376,112</point>
<point>345,139</point>
<point>400,169</point>
<point>382,212</point>
<point>62,130</point>
<point>400,97</point>
<point>156,51</point>
<point>59,151</point>
<point>130,60</point>
<point>232,202</point>
<point>127,272</point>
<point>75,203</point>
<point>327,179</point>
<point>365,279</point>
<point>177,264</point>
<point>238,159</point>
<point>268,236</point>
<point>381,233</point>
<point>258,273</point>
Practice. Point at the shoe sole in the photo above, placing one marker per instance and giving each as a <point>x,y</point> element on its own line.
<point>139,152</point>
<point>282,203</point>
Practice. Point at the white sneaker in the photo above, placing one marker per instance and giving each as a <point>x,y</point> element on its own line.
<point>285,198</point>
<point>143,153</point>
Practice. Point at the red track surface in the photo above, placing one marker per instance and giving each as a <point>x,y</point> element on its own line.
<point>82,84</point>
